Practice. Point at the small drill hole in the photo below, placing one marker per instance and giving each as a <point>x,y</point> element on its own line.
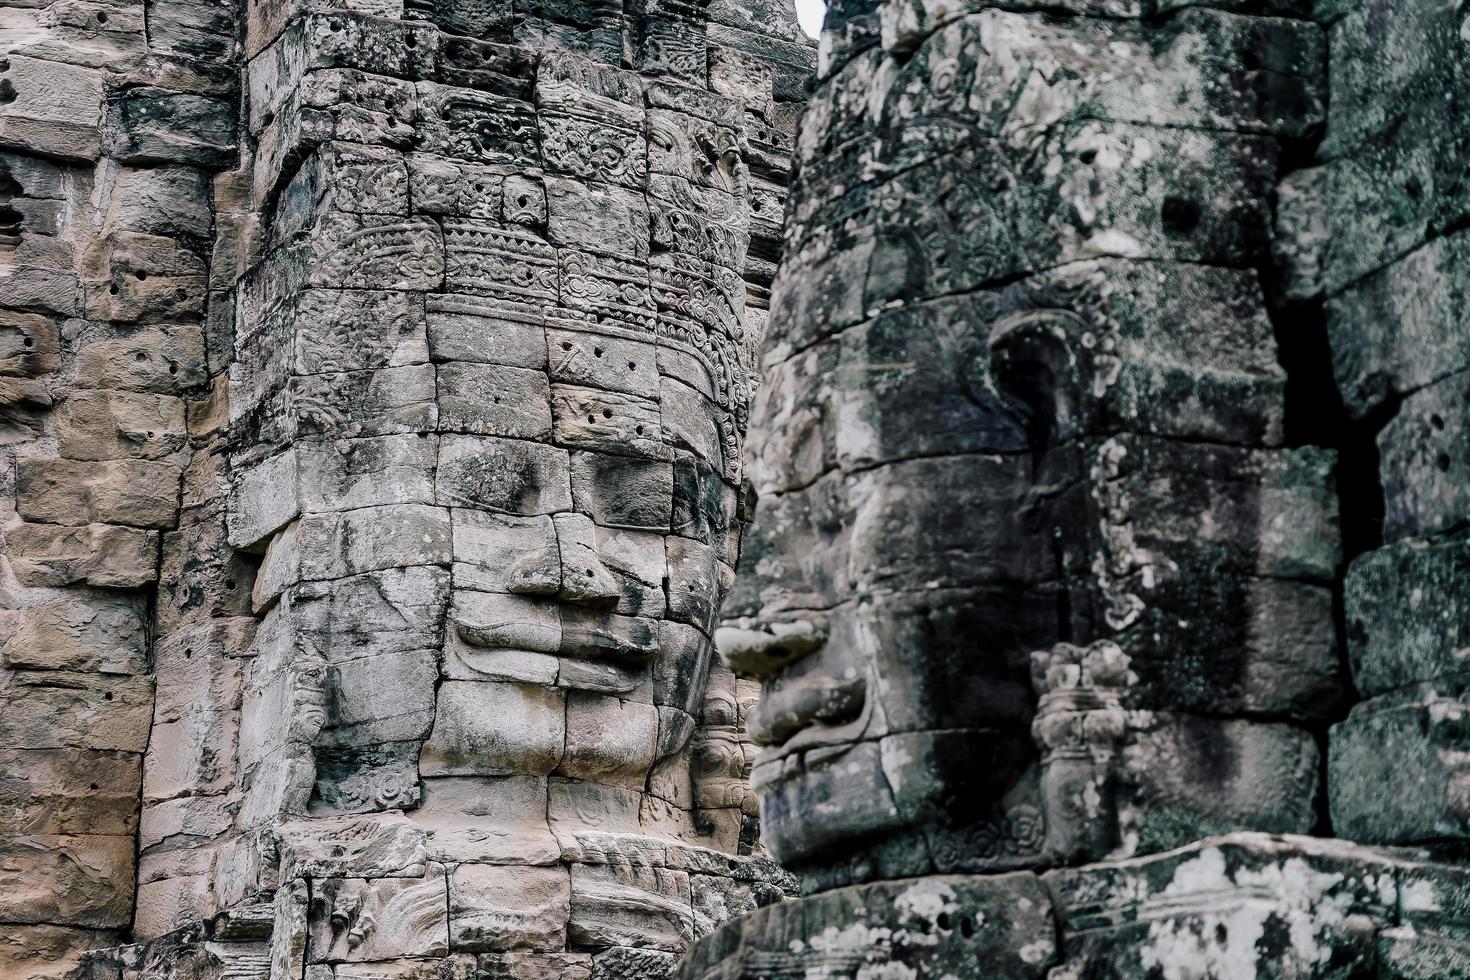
<point>173,369</point>
<point>1087,156</point>
<point>607,413</point>
<point>112,290</point>
<point>1437,422</point>
<point>632,366</point>
<point>1180,215</point>
<point>229,583</point>
<point>102,17</point>
<point>566,345</point>
<point>92,786</point>
<point>107,696</point>
<point>141,275</point>
<point>1443,462</point>
<point>597,352</point>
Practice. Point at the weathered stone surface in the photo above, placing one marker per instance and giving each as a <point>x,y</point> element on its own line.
<point>1425,453</point>
<point>1261,906</point>
<point>965,927</point>
<point>1395,770</point>
<point>82,880</point>
<point>494,908</point>
<point>359,920</point>
<point>136,493</point>
<point>1405,622</point>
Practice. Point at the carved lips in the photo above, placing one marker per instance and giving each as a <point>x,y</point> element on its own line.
<point>561,644</point>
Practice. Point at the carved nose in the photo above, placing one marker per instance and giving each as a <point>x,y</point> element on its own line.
<point>538,573</point>
<point>570,568</point>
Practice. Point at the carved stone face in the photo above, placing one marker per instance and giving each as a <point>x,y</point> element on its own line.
<point>516,439</point>
<point>900,590</point>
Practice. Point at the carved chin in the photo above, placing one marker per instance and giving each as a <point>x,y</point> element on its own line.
<point>502,728</point>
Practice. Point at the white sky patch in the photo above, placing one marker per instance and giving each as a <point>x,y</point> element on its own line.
<point>809,14</point>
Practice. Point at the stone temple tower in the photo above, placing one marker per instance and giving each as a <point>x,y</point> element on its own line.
<point>375,379</point>
<point>1107,586</point>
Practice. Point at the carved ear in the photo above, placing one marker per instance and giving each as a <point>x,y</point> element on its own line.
<point>1034,363</point>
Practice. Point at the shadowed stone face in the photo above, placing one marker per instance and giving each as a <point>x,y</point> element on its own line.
<point>1022,388</point>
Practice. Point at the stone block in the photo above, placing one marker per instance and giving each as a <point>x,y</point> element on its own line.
<point>594,149</point>
<point>455,188</point>
<point>484,329</point>
<point>1245,902</point>
<point>1401,328</point>
<point>608,422</point>
<point>1182,778</point>
<point>336,330</point>
<point>493,400</point>
<point>99,554</point>
<point>378,699</point>
<point>195,716</point>
<point>496,908</point>
<point>498,820</point>
<point>103,425</point>
<point>358,920</point>
<point>966,927</point>
<point>597,218</point>
<point>388,611</point>
<point>69,791</point>
<point>1395,770</point>
<point>608,740</point>
<point>637,563</point>
<point>623,491</point>
<point>319,547</point>
<point>145,124</point>
<point>131,277</point>
<point>382,846</point>
<point>30,345</point>
<point>100,632</point>
<point>1406,616</point>
<point>137,493</point>
<point>601,361</point>
<point>367,778</point>
<point>503,553</point>
<point>625,905</point>
<point>1424,461</point>
<point>504,261</point>
<point>508,475</point>
<point>51,108</point>
<point>495,729</point>
<point>1384,63</point>
<point>347,474</point>
<point>163,359</point>
<point>48,709</point>
<point>83,880</point>
<point>536,966</point>
<point>477,127</point>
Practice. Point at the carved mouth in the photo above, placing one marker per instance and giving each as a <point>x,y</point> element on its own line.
<point>805,704</point>
<point>607,654</point>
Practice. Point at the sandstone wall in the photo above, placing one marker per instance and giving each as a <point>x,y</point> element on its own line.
<point>305,305</point>
<point>117,121</point>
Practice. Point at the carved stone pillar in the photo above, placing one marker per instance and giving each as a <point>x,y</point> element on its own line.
<point>456,360</point>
